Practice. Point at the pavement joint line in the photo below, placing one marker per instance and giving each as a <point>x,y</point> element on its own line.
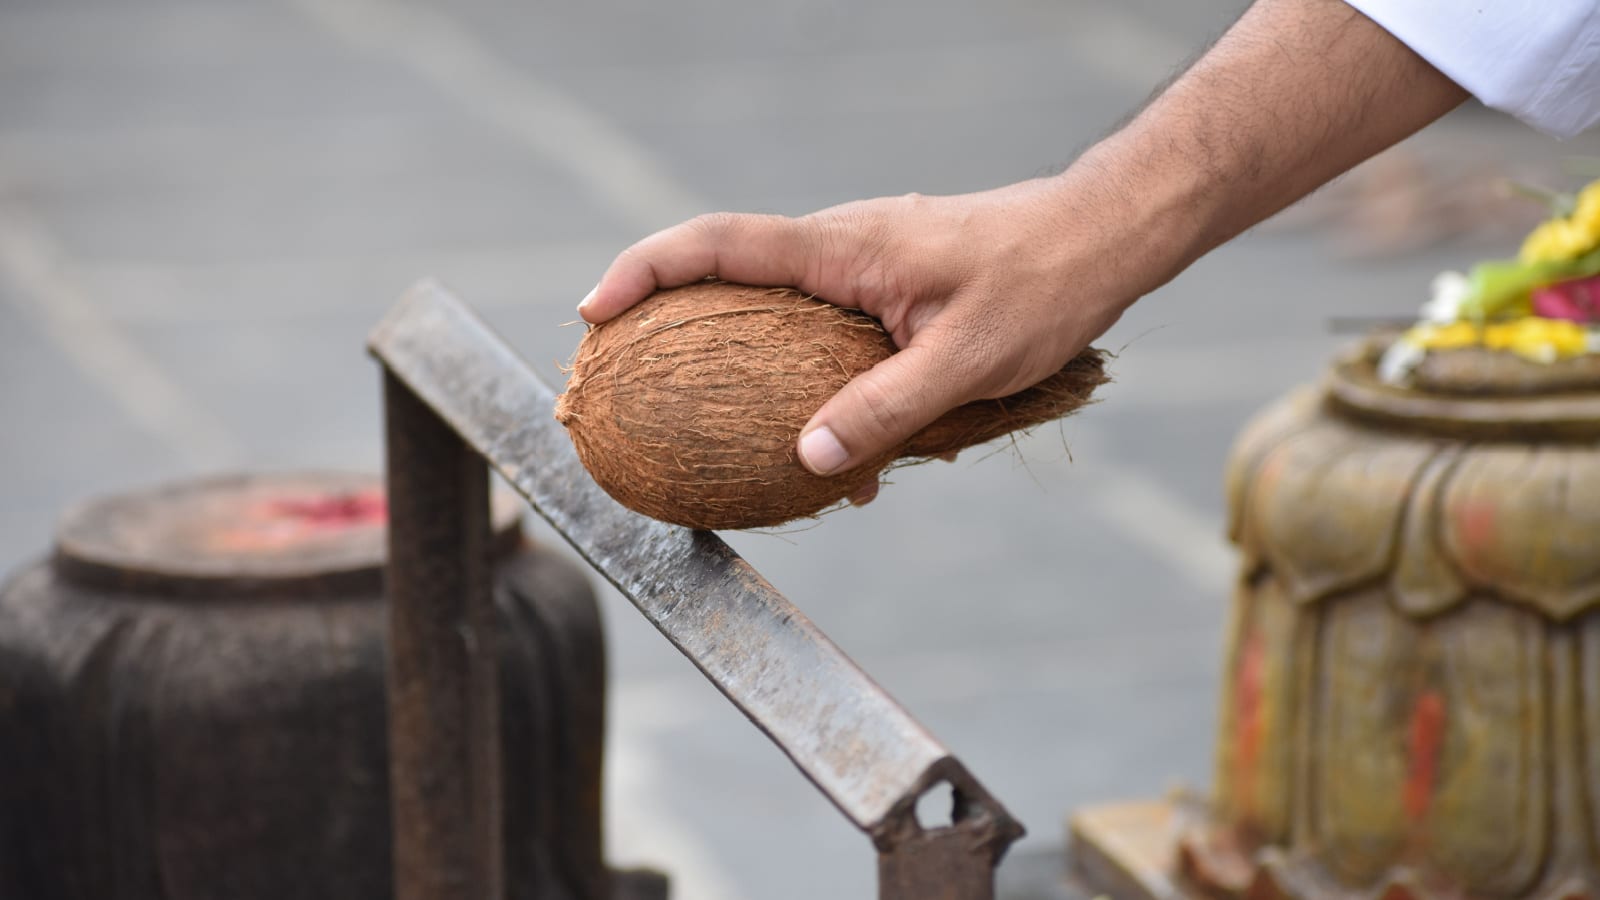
<point>47,292</point>
<point>152,290</point>
<point>667,702</point>
<point>616,169</point>
<point>185,147</point>
<point>638,819</point>
<point>1149,516</point>
<point>1144,512</point>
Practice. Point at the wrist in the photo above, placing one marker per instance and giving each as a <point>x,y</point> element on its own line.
<point>1141,219</point>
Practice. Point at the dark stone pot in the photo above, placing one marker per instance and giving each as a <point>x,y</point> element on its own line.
<point>192,702</point>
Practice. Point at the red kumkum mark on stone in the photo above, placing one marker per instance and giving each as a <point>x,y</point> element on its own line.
<point>345,510</point>
<point>1477,524</point>
<point>279,525</point>
<point>1424,740</point>
<point>1250,727</point>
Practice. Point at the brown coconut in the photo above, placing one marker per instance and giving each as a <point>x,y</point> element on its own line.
<point>688,406</point>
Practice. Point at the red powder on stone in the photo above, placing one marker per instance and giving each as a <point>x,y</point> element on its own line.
<point>334,510</point>
<point>1424,739</point>
<point>1250,728</point>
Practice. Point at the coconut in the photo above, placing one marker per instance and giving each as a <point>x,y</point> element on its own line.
<point>687,407</point>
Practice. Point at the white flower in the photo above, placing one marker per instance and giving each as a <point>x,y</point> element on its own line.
<point>1399,360</point>
<point>1450,291</point>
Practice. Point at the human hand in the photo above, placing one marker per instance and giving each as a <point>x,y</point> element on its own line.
<point>985,295</point>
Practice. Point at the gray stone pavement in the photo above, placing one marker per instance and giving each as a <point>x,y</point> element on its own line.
<point>204,206</point>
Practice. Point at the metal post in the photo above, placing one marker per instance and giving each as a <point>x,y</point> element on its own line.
<point>444,704</point>
<point>955,862</point>
<point>938,865</point>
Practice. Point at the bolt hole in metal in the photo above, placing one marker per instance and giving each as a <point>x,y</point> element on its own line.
<point>936,808</point>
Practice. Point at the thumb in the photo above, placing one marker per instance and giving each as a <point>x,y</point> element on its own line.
<point>879,410</point>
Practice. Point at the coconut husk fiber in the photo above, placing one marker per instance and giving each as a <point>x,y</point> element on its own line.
<point>687,407</point>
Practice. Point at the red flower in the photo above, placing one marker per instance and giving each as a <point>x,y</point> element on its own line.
<point>1576,301</point>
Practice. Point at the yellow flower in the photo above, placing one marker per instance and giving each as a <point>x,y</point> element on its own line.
<point>1569,237</point>
<point>1532,337</point>
<point>1445,337</point>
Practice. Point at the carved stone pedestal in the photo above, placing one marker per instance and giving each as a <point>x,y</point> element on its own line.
<point>1411,696</point>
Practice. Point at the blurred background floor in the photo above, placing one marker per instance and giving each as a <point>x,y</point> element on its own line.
<point>204,206</point>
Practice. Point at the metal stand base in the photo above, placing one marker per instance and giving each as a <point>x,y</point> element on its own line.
<point>1129,851</point>
<point>639,884</point>
<point>1118,851</point>
<point>1042,873</point>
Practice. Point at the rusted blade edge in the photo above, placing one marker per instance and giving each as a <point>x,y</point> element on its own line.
<point>855,743</point>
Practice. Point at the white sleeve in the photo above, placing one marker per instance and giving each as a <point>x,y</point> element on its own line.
<point>1536,59</point>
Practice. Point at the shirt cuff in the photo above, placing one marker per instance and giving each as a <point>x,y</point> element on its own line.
<point>1539,62</point>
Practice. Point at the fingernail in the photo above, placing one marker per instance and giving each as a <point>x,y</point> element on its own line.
<point>821,451</point>
<point>587,297</point>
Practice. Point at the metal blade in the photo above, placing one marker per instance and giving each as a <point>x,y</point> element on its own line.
<point>853,741</point>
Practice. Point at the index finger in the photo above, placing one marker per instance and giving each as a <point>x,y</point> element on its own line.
<point>749,249</point>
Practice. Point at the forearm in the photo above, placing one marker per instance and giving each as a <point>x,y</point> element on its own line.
<point>1297,92</point>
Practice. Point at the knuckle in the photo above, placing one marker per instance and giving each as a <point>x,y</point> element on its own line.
<point>914,203</point>
<point>884,414</point>
<point>715,226</point>
<point>837,231</point>
<point>817,235</point>
<point>845,251</point>
<point>869,286</point>
<point>637,255</point>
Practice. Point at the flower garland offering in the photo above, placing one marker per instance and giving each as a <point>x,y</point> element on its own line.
<point>1543,306</point>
